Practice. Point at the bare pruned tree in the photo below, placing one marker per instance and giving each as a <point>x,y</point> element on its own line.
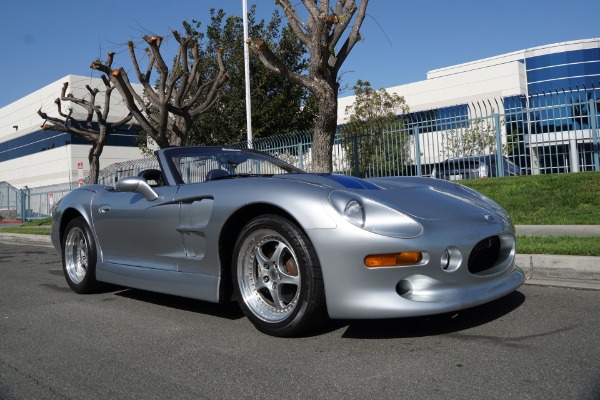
<point>168,106</point>
<point>321,33</point>
<point>94,129</point>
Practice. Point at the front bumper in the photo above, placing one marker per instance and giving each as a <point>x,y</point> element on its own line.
<point>354,291</point>
<point>432,297</point>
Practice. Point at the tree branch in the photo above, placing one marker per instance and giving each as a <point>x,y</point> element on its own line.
<point>353,37</point>
<point>296,24</point>
<point>273,63</point>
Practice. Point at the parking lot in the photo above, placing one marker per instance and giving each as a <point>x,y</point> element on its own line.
<point>537,343</point>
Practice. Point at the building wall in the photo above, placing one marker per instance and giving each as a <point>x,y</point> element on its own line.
<point>498,77</point>
<point>23,112</point>
<point>59,165</point>
<point>460,87</point>
<point>38,164</point>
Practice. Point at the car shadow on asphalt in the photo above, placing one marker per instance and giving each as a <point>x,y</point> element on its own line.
<point>429,325</point>
<point>229,310</point>
<point>354,329</point>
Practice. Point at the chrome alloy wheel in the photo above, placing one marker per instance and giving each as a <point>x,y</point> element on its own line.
<point>268,275</point>
<point>76,255</point>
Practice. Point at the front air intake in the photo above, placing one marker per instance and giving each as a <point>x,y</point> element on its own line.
<point>485,255</point>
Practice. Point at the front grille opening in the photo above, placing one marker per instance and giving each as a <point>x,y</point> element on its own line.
<point>485,255</point>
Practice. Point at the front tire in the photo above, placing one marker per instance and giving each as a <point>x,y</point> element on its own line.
<point>79,257</point>
<point>277,277</point>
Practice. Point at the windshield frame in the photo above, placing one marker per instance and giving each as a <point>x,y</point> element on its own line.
<point>166,159</point>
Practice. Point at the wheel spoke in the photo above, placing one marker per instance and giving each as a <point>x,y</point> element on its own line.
<point>276,295</point>
<point>289,279</point>
<point>261,258</point>
<point>259,283</point>
<point>82,253</point>
<point>281,247</point>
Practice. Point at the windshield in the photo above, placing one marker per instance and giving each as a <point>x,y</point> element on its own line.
<point>200,164</point>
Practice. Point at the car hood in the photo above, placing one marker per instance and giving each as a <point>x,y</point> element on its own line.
<point>423,198</point>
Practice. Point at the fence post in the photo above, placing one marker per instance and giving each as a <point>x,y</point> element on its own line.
<point>7,198</point>
<point>594,127</point>
<point>499,160</point>
<point>355,145</point>
<point>23,193</point>
<point>300,156</point>
<point>417,149</point>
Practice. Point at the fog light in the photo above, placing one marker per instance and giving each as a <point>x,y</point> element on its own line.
<point>394,259</point>
<point>451,259</point>
<point>403,287</point>
<point>445,261</point>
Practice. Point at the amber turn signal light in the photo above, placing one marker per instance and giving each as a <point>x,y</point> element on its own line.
<point>394,259</point>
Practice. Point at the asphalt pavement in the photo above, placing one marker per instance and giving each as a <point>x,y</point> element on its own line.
<point>540,269</point>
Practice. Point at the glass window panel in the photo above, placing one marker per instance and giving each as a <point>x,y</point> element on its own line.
<point>574,56</point>
<point>42,140</point>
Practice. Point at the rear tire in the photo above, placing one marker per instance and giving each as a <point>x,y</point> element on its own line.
<point>79,257</point>
<point>277,277</point>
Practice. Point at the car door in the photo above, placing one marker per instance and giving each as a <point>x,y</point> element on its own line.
<point>134,231</point>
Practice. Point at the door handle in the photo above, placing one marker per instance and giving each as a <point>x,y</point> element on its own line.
<point>104,209</point>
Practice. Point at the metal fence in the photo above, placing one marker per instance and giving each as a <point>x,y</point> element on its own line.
<point>10,201</point>
<point>545,133</point>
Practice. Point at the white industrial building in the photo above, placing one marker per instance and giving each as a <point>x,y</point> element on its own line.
<point>528,83</point>
<point>31,156</point>
<point>499,77</point>
<point>545,96</point>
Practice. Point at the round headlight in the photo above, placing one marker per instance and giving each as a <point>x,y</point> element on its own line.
<point>373,216</point>
<point>354,212</point>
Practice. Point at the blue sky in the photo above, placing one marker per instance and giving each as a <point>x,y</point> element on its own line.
<point>42,41</point>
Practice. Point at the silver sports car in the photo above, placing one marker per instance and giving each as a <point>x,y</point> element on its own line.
<point>292,247</point>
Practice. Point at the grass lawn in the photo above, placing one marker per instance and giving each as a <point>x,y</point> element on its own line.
<point>37,227</point>
<point>561,245</point>
<point>560,199</point>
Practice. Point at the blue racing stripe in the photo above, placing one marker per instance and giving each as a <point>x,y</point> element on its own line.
<point>351,182</point>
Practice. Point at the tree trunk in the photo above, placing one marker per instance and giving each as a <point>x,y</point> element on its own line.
<point>94,156</point>
<point>325,129</point>
<point>94,160</point>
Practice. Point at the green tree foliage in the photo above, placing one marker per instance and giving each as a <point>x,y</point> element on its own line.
<point>478,137</point>
<point>375,142</point>
<point>375,106</point>
<point>278,105</point>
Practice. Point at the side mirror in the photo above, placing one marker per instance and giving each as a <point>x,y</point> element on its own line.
<point>137,185</point>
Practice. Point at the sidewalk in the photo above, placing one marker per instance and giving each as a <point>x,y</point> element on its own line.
<point>540,269</point>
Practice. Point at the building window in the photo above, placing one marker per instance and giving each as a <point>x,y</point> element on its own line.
<point>43,140</point>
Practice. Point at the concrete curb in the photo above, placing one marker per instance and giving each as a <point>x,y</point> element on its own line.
<point>544,268</point>
<point>26,238</point>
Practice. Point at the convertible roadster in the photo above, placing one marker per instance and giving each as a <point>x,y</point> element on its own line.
<point>291,247</point>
